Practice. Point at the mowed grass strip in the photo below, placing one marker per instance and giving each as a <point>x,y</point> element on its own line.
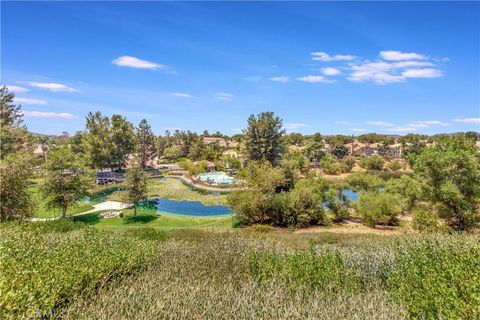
<point>151,219</point>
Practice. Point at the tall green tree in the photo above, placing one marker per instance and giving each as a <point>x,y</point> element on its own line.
<point>263,137</point>
<point>122,132</point>
<point>137,186</point>
<point>13,134</point>
<point>66,179</point>
<point>97,140</point>
<point>450,176</point>
<point>16,199</point>
<point>145,143</point>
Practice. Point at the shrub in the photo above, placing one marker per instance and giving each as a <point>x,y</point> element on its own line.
<point>347,163</point>
<point>395,165</point>
<point>450,175</point>
<point>361,181</point>
<point>250,206</point>
<point>329,164</point>
<point>379,208</point>
<point>337,204</point>
<point>374,162</point>
<point>304,204</point>
<point>407,187</point>
<point>425,219</point>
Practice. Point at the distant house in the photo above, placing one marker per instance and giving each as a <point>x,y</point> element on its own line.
<point>356,148</point>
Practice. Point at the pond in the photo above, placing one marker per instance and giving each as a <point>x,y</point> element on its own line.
<point>186,208</point>
<point>350,194</point>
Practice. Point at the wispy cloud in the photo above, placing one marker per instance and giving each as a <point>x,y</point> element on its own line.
<point>293,126</point>
<point>380,123</point>
<point>382,72</point>
<point>133,62</point>
<point>329,71</point>
<point>181,94</point>
<point>426,123</point>
<point>358,130</point>
<point>283,79</point>
<point>42,114</point>
<point>402,129</point>
<point>17,89</point>
<point>323,56</point>
<point>30,101</point>
<point>422,73</point>
<point>398,55</point>
<point>52,86</point>
<point>224,96</point>
<point>314,79</point>
<point>344,122</point>
<point>468,120</point>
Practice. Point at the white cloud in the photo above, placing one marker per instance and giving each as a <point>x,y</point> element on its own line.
<point>182,95</point>
<point>343,122</point>
<point>30,101</point>
<point>422,73</point>
<point>379,123</point>
<point>296,125</point>
<point>17,89</point>
<point>468,120</point>
<point>402,129</point>
<point>398,55</point>
<point>358,130</point>
<point>382,72</point>
<point>42,114</point>
<point>314,79</point>
<point>329,71</point>
<point>51,86</point>
<point>132,62</point>
<point>283,79</point>
<point>224,96</point>
<point>426,123</point>
<point>323,56</point>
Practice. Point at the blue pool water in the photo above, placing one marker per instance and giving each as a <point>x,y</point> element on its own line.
<point>187,208</point>
<point>216,178</point>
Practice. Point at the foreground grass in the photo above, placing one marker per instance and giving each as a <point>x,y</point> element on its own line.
<point>150,219</point>
<point>147,273</point>
<point>48,265</point>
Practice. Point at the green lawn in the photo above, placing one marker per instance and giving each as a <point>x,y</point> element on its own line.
<point>44,212</point>
<point>149,219</point>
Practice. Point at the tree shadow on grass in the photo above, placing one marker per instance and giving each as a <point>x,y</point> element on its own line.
<point>140,219</point>
<point>89,218</point>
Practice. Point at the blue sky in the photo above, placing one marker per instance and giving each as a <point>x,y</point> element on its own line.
<point>331,67</point>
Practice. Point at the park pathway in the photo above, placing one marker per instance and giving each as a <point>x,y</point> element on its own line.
<point>107,205</point>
